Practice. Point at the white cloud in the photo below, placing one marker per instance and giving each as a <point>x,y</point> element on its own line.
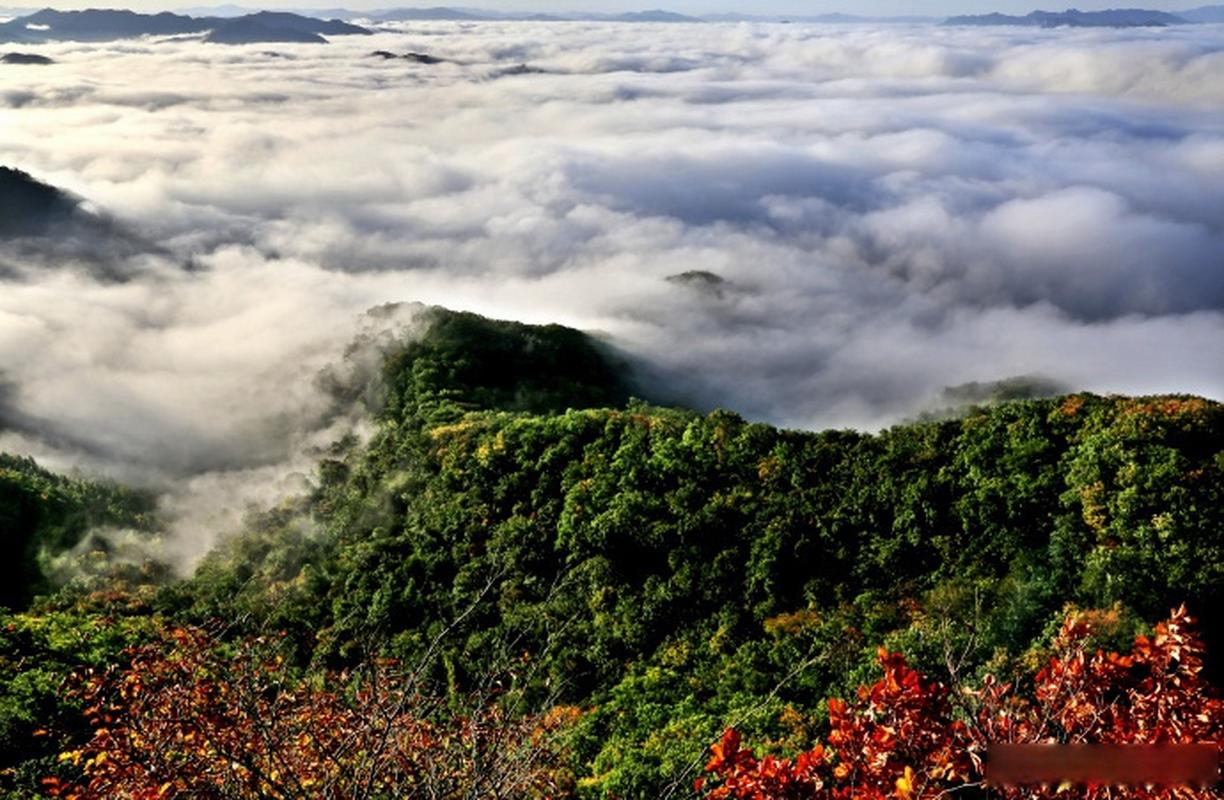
<point>895,210</point>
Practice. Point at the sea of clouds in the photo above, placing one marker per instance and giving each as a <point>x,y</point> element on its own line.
<point>892,210</point>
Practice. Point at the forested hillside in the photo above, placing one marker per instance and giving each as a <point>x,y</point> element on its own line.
<point>518,521</point>
<point>42,515</point>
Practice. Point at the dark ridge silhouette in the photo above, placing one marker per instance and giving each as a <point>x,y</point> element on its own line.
<point>44,227</point>
<point>100,25</point>
<point>521,69</point>
<point>284,21</point>
<point>25,58</point>
<point>700,280</point>
<point>418,58</point>
<point>29,206</point>
<point>245,30</point>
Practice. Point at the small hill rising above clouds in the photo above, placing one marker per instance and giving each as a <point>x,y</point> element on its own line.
<point>102,25</point>
<point>249,31</point>
<point>25,58</point>
<point>270,26</point>
<point>281,20</point>
<point>1074,18</point>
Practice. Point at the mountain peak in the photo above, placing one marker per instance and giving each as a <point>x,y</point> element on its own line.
<point>29,206</point>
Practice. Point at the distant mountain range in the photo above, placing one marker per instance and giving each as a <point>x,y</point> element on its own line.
<point>98,25</point>
<point>1203,14</point>
<point>1074,18</point>
<point>102,25</point>
<point>835,19</point>
<point>1071,17</point>
<point>453,14</point>
<point>233,24</point>
<point>443,13</point>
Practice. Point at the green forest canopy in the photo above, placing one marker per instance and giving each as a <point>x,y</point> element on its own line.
<point>670,572</point>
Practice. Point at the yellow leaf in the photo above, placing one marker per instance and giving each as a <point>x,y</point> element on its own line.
<point>905,784</point>
<point>71,755</point>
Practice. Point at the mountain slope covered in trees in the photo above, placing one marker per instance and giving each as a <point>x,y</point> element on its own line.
<point>517,513</point>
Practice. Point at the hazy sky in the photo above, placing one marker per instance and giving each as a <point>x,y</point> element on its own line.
<point>801,7</point>
<point>791,7</point>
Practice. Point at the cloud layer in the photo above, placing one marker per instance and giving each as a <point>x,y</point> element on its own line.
<point>894,210</point>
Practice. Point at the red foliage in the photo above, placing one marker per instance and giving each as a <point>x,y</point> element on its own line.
<point>188,718</point>
<point>769,778</point>
<point>902,737</point>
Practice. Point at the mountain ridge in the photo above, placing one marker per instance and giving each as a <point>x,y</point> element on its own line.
<point>218,23</point>
<point>467,14</point>
<point>100,25</point>
<point>1110,18</point>
<point>662,569</point>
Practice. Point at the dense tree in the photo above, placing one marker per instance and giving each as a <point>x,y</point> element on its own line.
<point>674,572</point>
<point>656,558</point>
<point>904,737</point>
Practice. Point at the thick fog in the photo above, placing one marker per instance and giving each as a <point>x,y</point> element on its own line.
<point>888,211</point>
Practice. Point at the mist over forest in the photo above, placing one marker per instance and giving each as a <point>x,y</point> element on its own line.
<point>893,210</point>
